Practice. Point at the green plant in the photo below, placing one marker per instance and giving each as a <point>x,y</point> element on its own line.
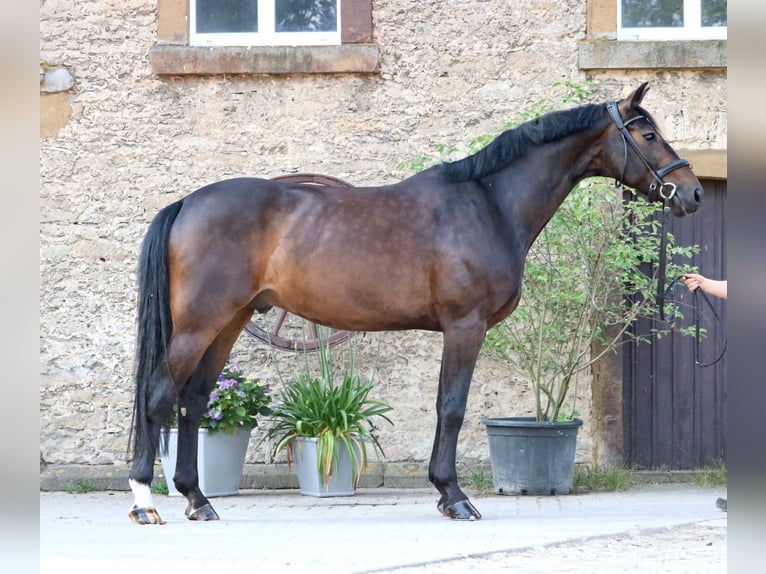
<point>714,475</point>
<point>567,413</point>
<point>479,478</point>
<point>81,487</point>
<point>338,414</point>
<point>236,401</point>
<point>571,312</point>
<point>159,485</point>
<point>593,478</point>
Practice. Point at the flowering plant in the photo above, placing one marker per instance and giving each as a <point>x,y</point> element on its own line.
<point>236,401</point>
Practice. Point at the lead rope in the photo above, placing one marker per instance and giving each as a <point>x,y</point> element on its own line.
<point>697,330</point>
<point>661,272</point>
<point>697,340</point>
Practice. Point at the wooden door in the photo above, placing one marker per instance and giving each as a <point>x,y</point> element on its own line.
<point>674,413</point>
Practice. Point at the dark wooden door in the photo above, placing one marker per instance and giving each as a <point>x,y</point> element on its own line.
<point>674,413</point>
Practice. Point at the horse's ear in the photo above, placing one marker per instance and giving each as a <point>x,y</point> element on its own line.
<point>634,99</point>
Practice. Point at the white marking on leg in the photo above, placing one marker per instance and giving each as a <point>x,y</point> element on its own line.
<point>142,494</point>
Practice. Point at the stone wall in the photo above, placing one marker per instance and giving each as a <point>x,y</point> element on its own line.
<point>123,143</point>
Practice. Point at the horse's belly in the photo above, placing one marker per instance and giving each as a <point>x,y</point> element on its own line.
<point>345,302</point>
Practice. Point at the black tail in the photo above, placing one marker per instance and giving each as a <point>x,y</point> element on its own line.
<point>154,321</point>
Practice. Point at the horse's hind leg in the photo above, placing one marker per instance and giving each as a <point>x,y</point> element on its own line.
<point>461,349</point>
<point>159,403</point>
<point>193,399</point>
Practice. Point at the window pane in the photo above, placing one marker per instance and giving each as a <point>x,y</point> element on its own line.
<point>714,13</point>
<point>227,16</point>
<point>306,15</point>
<point>652,13</point>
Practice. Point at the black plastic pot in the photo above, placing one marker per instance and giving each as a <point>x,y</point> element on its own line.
<point>530,456</point>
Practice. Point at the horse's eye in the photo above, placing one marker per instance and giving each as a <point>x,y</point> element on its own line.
<point>649,137</point>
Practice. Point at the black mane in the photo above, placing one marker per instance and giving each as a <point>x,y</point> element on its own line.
<point>516,142</point>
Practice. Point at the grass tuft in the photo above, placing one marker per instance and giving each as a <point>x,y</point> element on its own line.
<point>81,487</point>
<point>715,475</point>
<point>479,479</point>
<point>159,485</point>
<point>600,478</point>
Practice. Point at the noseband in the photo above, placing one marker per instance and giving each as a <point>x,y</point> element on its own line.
<point>665,189</point>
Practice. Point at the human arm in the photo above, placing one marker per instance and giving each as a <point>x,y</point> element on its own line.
<point>709,286</point>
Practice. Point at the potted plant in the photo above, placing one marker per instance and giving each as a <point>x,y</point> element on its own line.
<point>234,405</point>
<point>574,310</point>
<point>324,423</point>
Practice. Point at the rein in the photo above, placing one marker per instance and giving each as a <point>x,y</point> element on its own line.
<point>666,190</point>
<point>697,293</point>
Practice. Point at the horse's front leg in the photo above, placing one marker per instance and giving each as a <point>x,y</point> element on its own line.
<point>461,349</point>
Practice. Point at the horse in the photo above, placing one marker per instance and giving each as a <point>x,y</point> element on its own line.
<point>442,250</point>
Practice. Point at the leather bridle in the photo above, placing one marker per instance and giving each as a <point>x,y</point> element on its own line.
<point>666,189</point>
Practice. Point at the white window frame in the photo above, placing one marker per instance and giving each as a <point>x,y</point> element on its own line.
<point>691,30</point>
<point>266,36</point>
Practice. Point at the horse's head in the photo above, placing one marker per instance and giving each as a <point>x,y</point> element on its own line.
<point>643,160</point>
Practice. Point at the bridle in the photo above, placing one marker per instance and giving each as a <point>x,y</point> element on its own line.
<point>666,191</point>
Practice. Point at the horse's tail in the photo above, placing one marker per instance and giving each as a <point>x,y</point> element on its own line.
<point>154,321</point>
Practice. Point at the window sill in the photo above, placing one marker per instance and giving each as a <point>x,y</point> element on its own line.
<point>626,55</point>
<point>169,59</point>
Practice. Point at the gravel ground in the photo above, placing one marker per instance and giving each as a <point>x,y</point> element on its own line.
<point>694,549</point>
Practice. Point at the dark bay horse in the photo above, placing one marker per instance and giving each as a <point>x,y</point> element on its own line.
<point>442,250</point>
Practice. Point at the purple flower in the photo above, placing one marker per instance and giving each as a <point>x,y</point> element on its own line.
<point>213,415</point>
<point>228,384</point>
<point>213,396</point>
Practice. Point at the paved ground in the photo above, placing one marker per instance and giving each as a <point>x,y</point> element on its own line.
<point>655,529</point>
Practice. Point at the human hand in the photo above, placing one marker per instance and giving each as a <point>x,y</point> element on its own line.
<point>693,280</point>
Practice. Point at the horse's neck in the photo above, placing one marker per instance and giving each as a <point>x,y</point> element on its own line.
<point>531,189</point>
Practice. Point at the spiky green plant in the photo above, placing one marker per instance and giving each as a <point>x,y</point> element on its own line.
<point>338,415</point>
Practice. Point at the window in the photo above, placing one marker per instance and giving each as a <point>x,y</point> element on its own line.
<point>202,37</point>
<point>264,22</point>
<point>671,20</point>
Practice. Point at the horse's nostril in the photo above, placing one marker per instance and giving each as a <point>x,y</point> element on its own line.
<point>698,194</point>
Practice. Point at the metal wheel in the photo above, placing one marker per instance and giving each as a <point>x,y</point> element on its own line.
<point>284,330</point>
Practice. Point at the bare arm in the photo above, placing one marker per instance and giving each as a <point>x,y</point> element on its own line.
<point>710,286</point>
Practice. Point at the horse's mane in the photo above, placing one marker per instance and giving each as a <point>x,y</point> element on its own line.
<point>515,142</point>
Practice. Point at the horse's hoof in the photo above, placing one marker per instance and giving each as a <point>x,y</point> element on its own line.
<point>145,516</point>
<point>203,513</point>
<point>460,510</point>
